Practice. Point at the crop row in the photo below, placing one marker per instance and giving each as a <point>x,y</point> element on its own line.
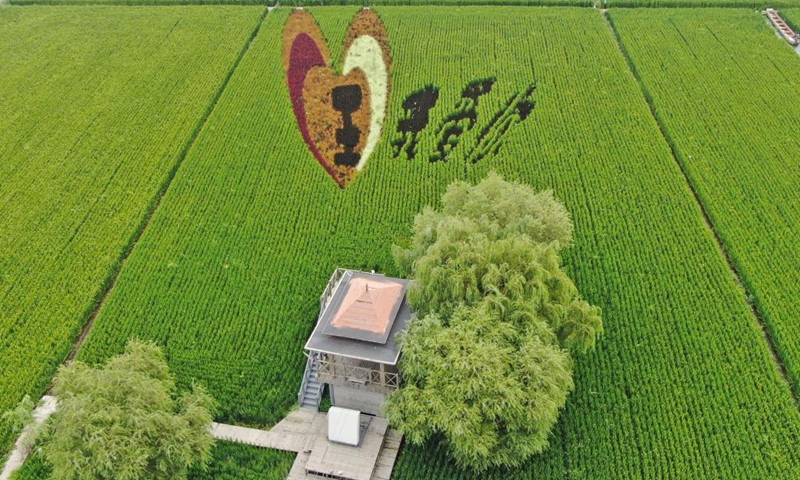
<point>676,386</point>
<point>92,124</point>
<point>751,4</point>
<point>729,100</point>
<point>311,3</point>
<point>228,273</point>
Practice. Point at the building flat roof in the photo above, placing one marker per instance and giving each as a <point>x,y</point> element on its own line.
<point>363,318</point>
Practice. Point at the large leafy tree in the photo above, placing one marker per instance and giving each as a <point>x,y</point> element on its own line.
<point>486,362</point>
<point>124,420</point>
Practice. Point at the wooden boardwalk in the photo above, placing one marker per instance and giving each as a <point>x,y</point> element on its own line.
<point>298,471</point>
<point>258,438</point>
<point>388,455</point>
<point>292,434</point>
<point>345,461</point>
<point>305,432</point>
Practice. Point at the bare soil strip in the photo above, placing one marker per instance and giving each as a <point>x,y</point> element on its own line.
<point>46,407</point>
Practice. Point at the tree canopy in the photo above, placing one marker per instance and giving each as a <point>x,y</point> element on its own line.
<point>125,421</point>
<point>486,361</point>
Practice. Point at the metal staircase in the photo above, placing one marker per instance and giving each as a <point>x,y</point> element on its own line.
<point>311,389</point>
<point>310,394</point>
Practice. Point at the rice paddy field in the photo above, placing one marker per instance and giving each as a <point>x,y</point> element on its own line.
<point>154,180</point>
<point>94,125</point>
<point>746,4</point>
<point>746,174</point>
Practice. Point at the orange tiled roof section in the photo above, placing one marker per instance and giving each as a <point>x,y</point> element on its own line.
<point>368,305</point>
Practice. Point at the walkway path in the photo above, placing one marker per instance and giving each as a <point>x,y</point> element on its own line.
<point>47,405</point>
<point>391,447</point>
<point>291,434</point>
<point>299,432</point>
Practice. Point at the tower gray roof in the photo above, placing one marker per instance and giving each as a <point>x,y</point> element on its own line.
<point>363,317</point>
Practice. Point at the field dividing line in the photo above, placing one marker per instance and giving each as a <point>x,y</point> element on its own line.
<point>45,408</point>
<point>734,271</point>
<point>162,191</point>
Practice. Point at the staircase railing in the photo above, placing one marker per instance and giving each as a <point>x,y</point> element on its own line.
<point>311,358</point>
<point>329,289</point>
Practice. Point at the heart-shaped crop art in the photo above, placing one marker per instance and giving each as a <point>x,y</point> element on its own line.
<point>340,114</point>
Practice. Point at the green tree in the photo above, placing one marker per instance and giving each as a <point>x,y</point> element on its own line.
<point>486,362</point>
<point>124,421</point>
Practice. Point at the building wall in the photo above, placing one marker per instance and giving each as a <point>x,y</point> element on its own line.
<point>364,401</point>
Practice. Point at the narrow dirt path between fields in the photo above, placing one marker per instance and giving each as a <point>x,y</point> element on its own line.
<point>46,407</point>
<point>737,277</point>
<point>156,202</point>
